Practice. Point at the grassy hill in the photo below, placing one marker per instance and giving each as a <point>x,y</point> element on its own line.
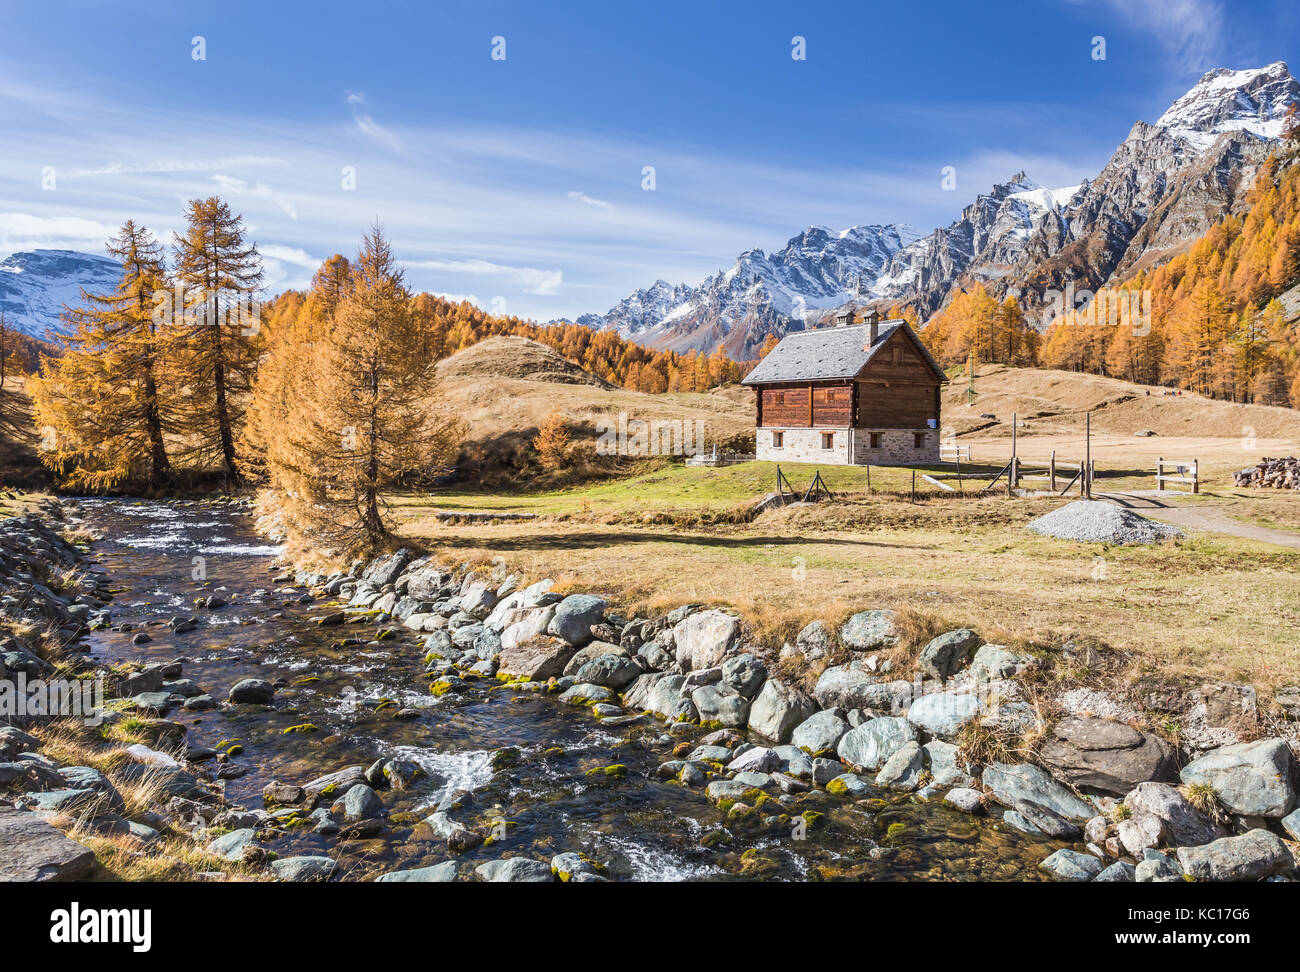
<point>1060,399</point>
<point>503,389</point>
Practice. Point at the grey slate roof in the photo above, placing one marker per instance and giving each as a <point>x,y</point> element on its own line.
<point>827,353</point>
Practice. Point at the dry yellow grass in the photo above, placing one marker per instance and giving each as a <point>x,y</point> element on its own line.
<point>1202,607</point>
<point>1050,407</point>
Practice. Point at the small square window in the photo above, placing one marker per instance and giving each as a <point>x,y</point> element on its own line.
<point>828,440</point>
<point>918,440</point>
<point>778,439</point>
<point>875,440</point>
<point>780,398</point>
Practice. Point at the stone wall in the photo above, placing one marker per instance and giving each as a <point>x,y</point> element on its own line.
<point>897,447</point>
<point>804,445</point>
<point>849,446</point>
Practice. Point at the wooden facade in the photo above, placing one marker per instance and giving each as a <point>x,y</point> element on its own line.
<point>897,389</point>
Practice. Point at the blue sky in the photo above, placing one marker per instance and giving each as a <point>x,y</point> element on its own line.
<point>519,182</point>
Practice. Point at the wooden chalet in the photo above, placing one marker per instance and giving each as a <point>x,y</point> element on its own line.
<point>853,394</point>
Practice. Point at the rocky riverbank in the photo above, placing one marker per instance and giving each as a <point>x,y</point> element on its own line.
<point>1143,808</point>
<point>849,726</point>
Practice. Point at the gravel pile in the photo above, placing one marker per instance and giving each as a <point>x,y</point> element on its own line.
<point>1097,522</point>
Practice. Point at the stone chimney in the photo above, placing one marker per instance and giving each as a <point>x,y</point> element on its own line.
<point>844,317</point>
<point>873,321</point>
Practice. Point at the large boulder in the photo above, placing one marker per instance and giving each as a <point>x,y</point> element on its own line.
<point>446,871</point>
<point>664,698</point>
<point>1025,783</point>
<point>814,641</point>
<point>820,731</point>
<point>902,771</point>
<point>941,759</point>
<point>1252,779</point>
<point>613,670</point>
<point>310,867</point>
<point>537,659</point>
<point>1254,855</point>
<point>852,687</point>
<point>385,570</point>
<point>524,625</point>
<point>574,617</point>
<point>745,673</point>
<point>33,850</point>
<point>359,803</point>
<point>997,662</point>
<point>868,631</point>
<point>1184,825</point>
<point>721,704</point>
<point>478,600</point>
<point>871,744</point>
<point>255,691</point>
<point>331,786</point>
<point>703,639</point>
<point>945,655</point>
<point>515,869</point>
<point>231,846</point>
<point>943,714</point>
<point>590,653</point>
<point>1068,865</point>
<point>778,709</point>
<point>1097,754</point>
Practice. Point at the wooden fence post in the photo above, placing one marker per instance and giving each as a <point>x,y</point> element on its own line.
<point>1160,461</point>
<point>1051,470</point>
<point>1196,475</point>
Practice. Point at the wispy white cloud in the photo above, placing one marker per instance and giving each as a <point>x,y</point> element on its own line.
<point>289,254</point>
<point>532,280</point>
<point>173,165</point>
<point>365,123</point>
<point>582,197</point>
<point>1190,32</point>
<point>240,187</point>
<point>25,231</point>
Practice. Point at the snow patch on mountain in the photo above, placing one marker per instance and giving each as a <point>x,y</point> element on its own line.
<point>1224,100</point>
<point>35,285</point>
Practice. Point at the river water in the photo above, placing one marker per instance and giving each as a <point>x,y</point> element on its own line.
<point>343,682</point>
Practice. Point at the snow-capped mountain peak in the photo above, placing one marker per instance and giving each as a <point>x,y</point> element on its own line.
<point>1224,100</point>
<point>36,284</point>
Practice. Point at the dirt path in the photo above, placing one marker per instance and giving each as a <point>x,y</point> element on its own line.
<point>1199,517</point>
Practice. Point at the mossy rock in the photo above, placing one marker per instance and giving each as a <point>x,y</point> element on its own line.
<point>303,727</point>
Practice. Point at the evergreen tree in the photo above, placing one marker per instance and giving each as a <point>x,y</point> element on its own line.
<point>102,402</point>
<point>368,416</point>
<point>219,271</point>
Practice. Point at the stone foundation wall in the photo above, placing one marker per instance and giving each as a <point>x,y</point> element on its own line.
<point>849,447</point>
<point>897,447</point>
<point>804,445</point>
